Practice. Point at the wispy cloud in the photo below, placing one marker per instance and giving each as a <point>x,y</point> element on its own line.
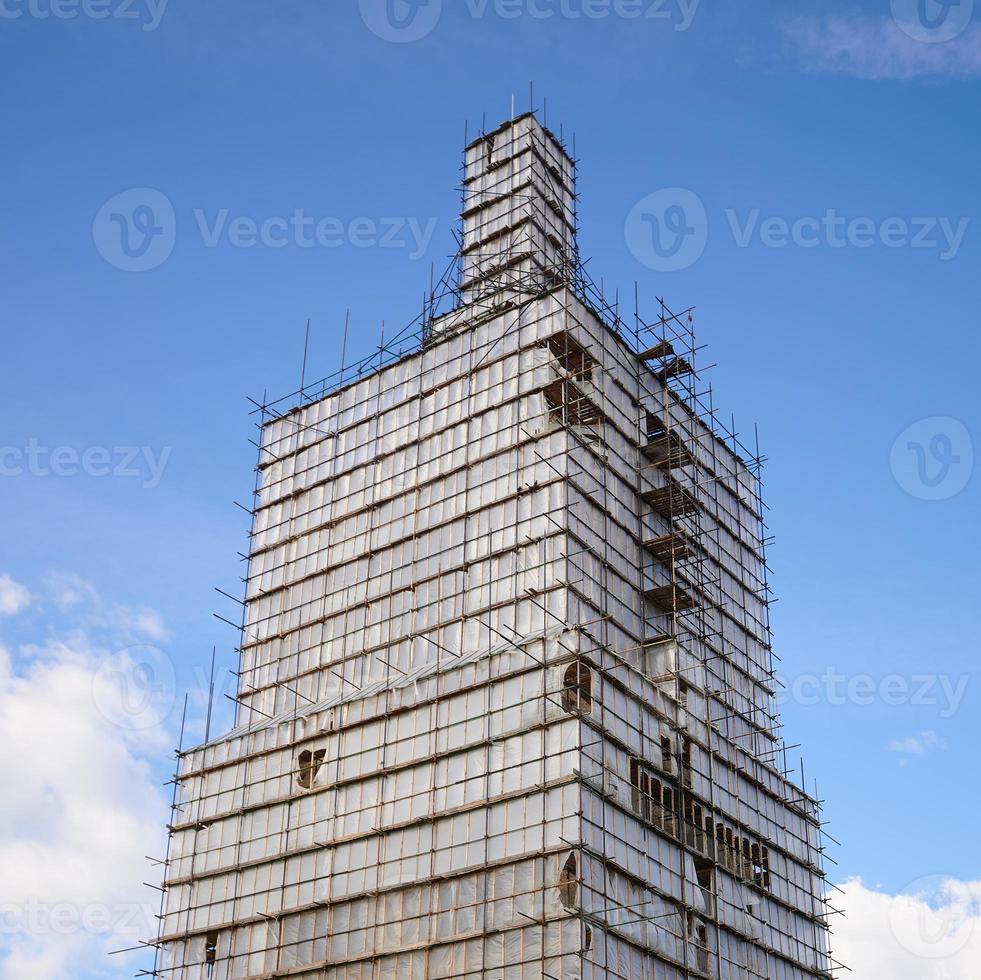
<point>877,48</point>
<point>917,745</point>
<point>13,596</point>
<point>78,596</point>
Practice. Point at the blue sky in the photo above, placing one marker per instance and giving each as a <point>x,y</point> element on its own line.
<point>824,156</point>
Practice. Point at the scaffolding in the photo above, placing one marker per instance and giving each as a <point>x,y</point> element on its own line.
<point>506,703</point>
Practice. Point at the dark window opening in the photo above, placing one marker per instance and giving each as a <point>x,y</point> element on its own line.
<point>745,853</point>
<point>587,943</point>
<point>211,950</point>
<point>700,934</point>
<point>761,866</point>
<point>708,829</point>
<point>693,813</point>
<point>668,821</point>
<point>653,800</point>
<point>568,404</point>
<point>572,356</point>
<point>744,857</point>
<point>577,690</point>
<point>683,690</point>
<point>569,883</point>
<point>636,796</point>
<point>705,872</point>
<point>666,753</point>
<point>686,764</point>
<point>309,766</point>
<point>643,787</point>
<point>655,427</point>
<point>698,832</point>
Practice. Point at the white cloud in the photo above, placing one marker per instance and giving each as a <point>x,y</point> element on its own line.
<point>73,594</point>
<point>930,932</point>
<point>870,47</point>
<point>80,807</point>
<point>917,745</point>
<point>13,596</point>
<point>142,621</point>
<point>68,589</point>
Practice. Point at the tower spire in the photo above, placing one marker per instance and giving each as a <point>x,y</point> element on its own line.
<point>518,220</point>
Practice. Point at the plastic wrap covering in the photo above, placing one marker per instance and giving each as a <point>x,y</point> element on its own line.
<point>478,734</point>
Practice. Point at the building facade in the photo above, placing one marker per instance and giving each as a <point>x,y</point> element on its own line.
<point>506,706</point>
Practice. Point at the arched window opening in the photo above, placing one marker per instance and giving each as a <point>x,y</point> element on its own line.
<point>746,853</point>
<point>577,690</point>
<point>643,787</point>
<point>669,821</point>
<point>569,884</point>
<point>309,764</point>
<point>686,763</point>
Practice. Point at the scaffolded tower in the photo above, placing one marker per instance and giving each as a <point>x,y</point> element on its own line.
<point>506,704</point>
